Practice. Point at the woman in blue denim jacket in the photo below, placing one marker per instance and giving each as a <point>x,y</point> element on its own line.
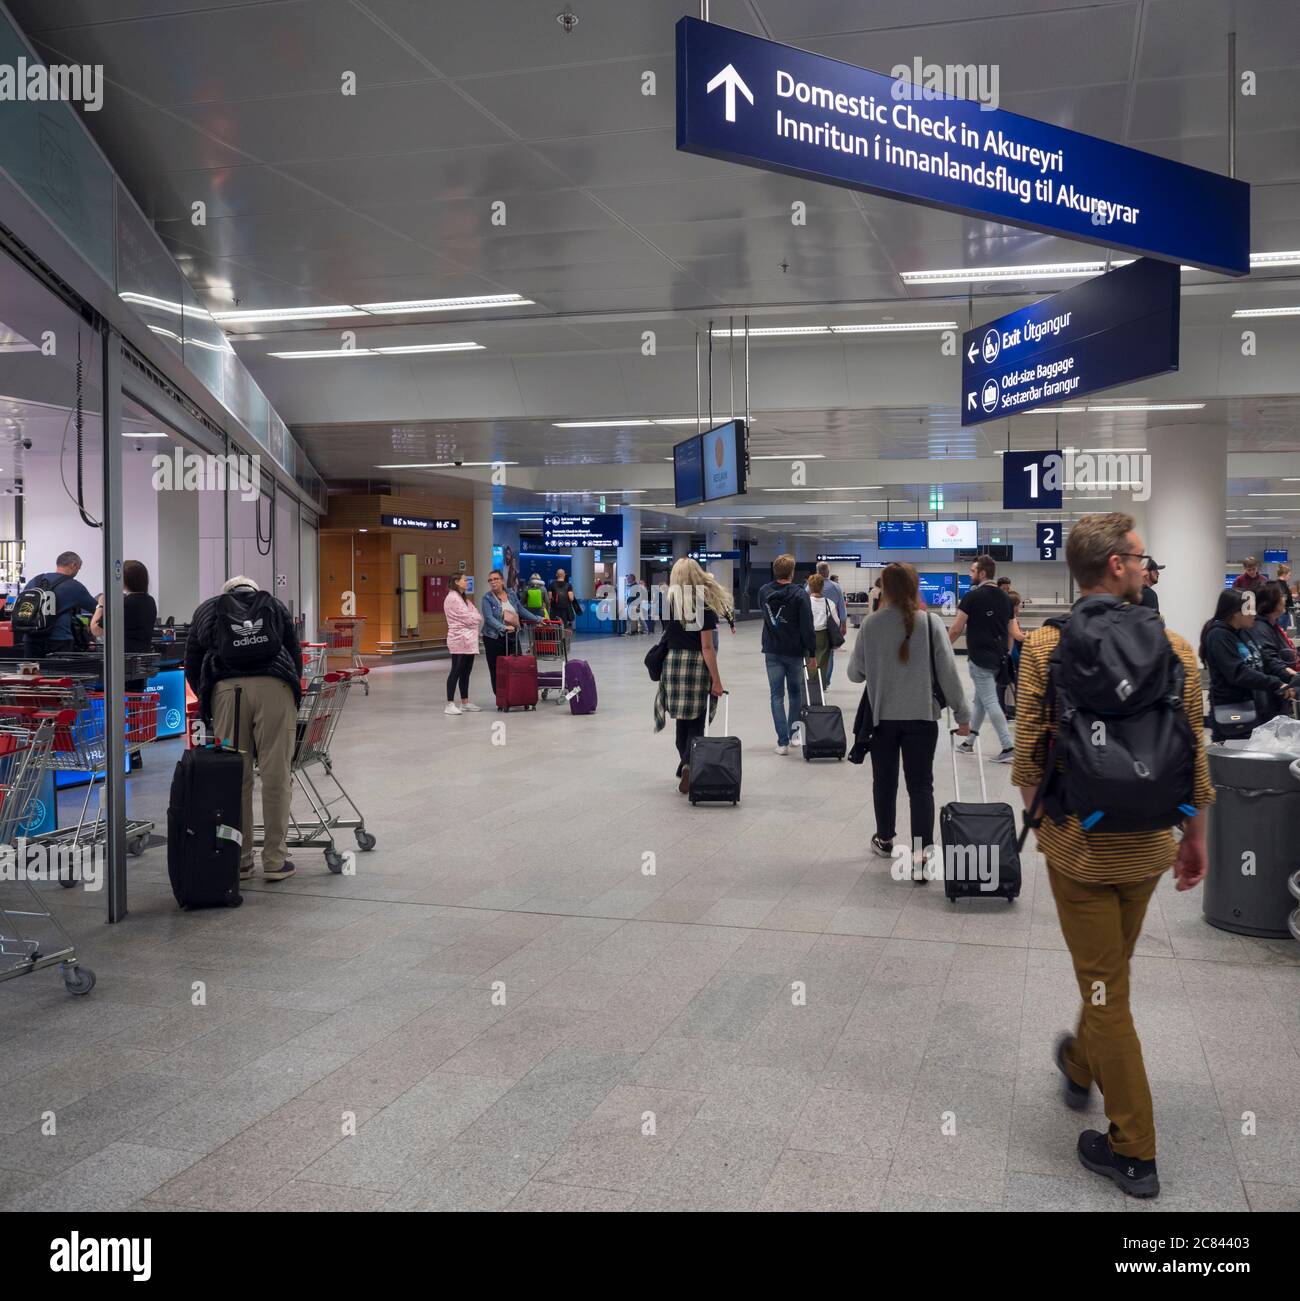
<point>501,615</point>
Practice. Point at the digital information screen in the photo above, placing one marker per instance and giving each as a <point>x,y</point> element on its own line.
<point>724,461</point>
<point>901,534</point>
<point>939,591</point>
<point>950,534</point>
<point>688,472</point>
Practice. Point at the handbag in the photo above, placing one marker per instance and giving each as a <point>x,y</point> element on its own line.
<point>935,689</point>
<point>834,633</point>
<point>1232,722</point>
<point>655,657</point>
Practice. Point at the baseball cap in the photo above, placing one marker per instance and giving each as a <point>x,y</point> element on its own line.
<point>1151,564</point>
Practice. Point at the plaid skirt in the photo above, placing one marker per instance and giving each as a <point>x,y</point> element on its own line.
<point>684,687</point>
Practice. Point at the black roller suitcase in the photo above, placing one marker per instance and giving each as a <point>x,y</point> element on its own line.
<point>980,856</point>
<point>204,831</point>
<point>823,724</point>
<point>715,763</point>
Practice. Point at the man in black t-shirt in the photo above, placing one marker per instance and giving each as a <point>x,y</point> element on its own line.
<point>985,616</point>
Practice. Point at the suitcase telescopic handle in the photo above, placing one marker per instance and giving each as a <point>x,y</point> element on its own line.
<point>821,686</point>
<point>979,757</point>
<point>726,718</point>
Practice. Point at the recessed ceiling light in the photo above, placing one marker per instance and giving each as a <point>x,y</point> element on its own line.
<point>445,304</point>
<point>286,314</point>
<point>1038,271</point>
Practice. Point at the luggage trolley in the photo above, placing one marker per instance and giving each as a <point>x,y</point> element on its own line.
<point>80,745</point>
<point>318,717</point>
<point>30,936</point>
<point>343,643</point>
<point>550,644</point>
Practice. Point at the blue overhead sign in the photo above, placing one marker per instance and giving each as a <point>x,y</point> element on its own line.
<point>767,105</point>
<point>1275,557</point>
<point>582,531</point>
<point>1031,481</point>
<point>1048,537</point>
<point>1110,330</point>
<point>705,557</point>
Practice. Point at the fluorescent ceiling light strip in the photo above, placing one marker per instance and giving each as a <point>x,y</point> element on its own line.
<point>445,304</point>
<point>598,424</point>
<point>1266,311</point>
<point>408,348</point>
<point>794,456</point>
<point>1151,406</point>
<point>771,331</point>
<point>592,492</point>
<point>1273,494</point>
<point>894,327</point>
<point>1035,271</point>
<point>1290,259</point>
<point>325,352</point>
<point>287,313</point>
<point>126,433</point>
<point>441,465</point>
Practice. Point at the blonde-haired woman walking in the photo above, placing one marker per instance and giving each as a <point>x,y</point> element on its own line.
<point>690,681</point>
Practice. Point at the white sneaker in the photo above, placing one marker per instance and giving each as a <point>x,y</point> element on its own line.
<point>468,707</point>
<point>783,749</point>
<point>453,708</point>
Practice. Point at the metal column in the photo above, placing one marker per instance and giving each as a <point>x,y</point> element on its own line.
<point>114,794</point>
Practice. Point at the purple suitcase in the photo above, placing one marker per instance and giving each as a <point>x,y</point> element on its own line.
<point>580,684</point>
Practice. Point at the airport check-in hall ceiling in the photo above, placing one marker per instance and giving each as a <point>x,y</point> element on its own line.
<point>486,151</point>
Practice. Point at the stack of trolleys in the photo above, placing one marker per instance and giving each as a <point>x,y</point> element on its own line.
<point>331,808</point>
<point>80,746</point>
<point>343,644</point>
<point>30,937</point>
<point>313,660</point>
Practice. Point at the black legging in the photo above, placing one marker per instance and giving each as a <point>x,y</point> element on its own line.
<point>460,671</point>
<point>493,649</point>
<point>687,730</point>
<point>915,739</point>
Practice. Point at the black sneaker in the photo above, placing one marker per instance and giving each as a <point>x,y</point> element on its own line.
<point>1075,1096</point>
<point>885,848</point>
<point>1137,1178</point>
<point>1005,756</point>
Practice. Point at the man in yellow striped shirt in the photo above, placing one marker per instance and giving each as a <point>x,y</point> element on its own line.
<point>1102,882</point>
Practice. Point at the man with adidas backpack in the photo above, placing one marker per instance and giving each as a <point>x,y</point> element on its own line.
<point>1110,758</point>
<point>43,614</point>
<point>245,639</point>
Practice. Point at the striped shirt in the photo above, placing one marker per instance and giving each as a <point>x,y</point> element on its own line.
<point>1094,856</point>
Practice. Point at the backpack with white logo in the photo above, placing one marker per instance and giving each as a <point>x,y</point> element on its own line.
<point>1123,754</point>
<point>35,609</point>
<point>248,631</point>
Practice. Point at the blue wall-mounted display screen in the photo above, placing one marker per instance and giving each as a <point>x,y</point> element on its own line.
<point>939,591</point>
<point>901,534</point>
<point>688,472</point>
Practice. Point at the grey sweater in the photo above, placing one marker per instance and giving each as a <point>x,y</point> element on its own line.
<point>900,691</point>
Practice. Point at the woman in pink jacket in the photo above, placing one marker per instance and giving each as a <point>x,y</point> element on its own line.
<point>463,620</point>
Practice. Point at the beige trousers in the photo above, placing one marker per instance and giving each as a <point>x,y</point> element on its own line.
<point>267,726</point>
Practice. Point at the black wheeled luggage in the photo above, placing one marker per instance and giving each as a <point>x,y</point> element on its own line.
<point>204,831</point>
<point>823,724</point>
<point>715,763</point>
<point>980,857</point>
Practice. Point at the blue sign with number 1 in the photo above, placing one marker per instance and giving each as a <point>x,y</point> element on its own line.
<point>1031,481</point>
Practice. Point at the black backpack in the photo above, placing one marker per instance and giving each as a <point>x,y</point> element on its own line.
<point>1122,755</point>
<point>36,608</point>
<point>248,631</point>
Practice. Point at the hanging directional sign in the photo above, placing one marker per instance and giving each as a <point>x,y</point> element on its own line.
<point>582,530</point>
<point>1110,330</point>
<point>767,105</point>
<point>1048,537</point>
<point>1031,481</point>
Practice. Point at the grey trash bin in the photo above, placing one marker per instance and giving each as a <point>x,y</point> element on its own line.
<point>1256,811</point>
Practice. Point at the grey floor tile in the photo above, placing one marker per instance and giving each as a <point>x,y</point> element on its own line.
<point>111,1179</point>
<point>820,1181</point>
<point>468,1177</point>
<point>538,1195</point>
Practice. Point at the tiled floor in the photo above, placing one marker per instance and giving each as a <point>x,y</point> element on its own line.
<point>554,985</point>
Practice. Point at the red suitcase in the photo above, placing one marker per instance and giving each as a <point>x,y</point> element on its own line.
<point>516,682</point>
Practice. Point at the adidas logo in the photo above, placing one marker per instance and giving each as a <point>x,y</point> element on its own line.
<point>246,627</point>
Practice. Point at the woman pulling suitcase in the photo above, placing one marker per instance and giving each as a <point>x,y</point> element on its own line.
<point>907,662</point>
<point>690,681</point>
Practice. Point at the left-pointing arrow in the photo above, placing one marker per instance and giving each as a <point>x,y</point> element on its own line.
<point>970,352</point>
<point>732,80</point>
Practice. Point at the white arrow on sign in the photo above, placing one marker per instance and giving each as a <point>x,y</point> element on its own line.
<point>731,79</point>
<point>970,401</point>
<point>970,352</point>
